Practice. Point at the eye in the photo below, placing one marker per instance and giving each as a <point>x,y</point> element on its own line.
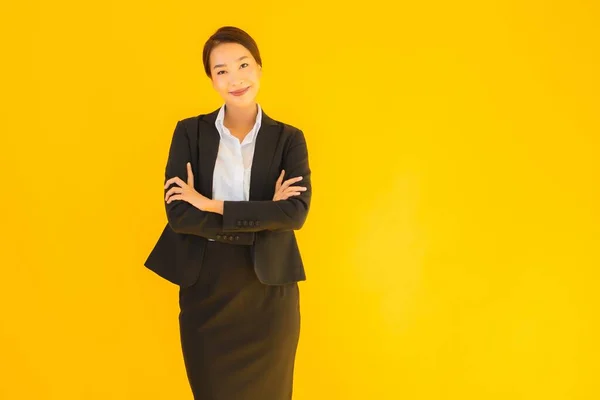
<point>219,73</point>
<point>245,64</point>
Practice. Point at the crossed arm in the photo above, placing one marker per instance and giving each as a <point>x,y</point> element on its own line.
<point>192,213</point>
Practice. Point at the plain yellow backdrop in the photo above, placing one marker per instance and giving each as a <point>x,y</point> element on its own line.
<point>452,248</point>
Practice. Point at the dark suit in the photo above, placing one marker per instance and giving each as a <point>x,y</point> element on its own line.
<point>267,225</point>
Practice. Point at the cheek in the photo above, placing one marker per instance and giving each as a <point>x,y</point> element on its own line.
<point>219,84</point>
<point>254,76</point>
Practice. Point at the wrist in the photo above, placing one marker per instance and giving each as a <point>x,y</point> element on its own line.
<point>215,206</point>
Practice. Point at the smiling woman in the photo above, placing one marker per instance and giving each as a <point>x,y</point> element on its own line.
<point>232,61</point>
<point>229,243</point>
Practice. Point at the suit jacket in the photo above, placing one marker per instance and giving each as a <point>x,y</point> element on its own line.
<point>267,226</point>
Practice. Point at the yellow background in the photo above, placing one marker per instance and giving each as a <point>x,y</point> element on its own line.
<point>452,249</point>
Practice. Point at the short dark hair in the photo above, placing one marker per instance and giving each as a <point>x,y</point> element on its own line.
<point>229,34</point>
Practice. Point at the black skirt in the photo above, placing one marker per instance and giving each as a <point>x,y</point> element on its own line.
<point>238,336</point>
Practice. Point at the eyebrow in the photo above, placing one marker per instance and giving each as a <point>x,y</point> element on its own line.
<point>222,65</point>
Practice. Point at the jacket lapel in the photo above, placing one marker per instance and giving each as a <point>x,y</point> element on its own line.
<point>264,151</point>
<point>208,147</point>
<point>267,140</point>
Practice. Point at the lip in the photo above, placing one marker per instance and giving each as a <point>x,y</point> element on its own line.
<point>240,92</point>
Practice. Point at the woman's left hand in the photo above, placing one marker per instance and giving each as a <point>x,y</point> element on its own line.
<point>186,191</point>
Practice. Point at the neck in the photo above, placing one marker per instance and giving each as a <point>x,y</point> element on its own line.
<point>237,116</point>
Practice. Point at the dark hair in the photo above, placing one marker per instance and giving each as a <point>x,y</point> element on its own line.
<point>229,34</point>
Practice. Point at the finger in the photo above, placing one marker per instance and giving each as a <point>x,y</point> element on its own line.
<point>173,190</point>
<point>297,188</point>
<point>292,180</point>
<point>287,195</point>
<point>175,197</point>
<point>171,193</point>
<point>170,182</point>
<point>279,180</point>
<point>190,178</point>
<point>176,180</point>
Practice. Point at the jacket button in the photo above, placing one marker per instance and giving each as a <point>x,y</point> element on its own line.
<point>230,238</point>
<point>218,236</point>
<point>245,223</point>
<point>251,223</point>
<point>237,237</point>
<point>239,223</point>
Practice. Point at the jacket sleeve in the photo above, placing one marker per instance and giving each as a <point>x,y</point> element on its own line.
<point>182,216</point>
<point>290,214</point>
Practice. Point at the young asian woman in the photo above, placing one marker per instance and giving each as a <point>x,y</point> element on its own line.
<point>237,187</point>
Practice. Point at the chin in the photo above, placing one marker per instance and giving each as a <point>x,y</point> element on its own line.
<point>241,101</point>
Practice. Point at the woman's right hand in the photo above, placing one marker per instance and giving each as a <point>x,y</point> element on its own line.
<point>283,190</point>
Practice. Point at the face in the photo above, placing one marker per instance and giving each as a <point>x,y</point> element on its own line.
<point>233,68</point>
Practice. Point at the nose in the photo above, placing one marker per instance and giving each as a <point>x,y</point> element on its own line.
<point>237,83</point>
<point>237,80</point>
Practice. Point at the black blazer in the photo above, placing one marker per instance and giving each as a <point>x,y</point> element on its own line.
<point>266,225</point>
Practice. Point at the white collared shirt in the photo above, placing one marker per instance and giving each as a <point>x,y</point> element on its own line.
<point>231,176</point>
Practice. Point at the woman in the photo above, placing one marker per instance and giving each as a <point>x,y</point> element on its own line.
<point>229,242</point>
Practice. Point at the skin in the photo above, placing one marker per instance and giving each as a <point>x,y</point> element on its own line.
<point>232,68</point>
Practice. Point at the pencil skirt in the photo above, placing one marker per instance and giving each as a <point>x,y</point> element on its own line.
<point>238,336</point>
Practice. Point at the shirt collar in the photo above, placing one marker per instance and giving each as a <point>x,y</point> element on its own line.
<point>248,139</point>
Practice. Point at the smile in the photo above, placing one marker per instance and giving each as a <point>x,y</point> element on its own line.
<point>240,92</point>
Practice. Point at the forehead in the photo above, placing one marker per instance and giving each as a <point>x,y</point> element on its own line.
<point>228,53</point>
